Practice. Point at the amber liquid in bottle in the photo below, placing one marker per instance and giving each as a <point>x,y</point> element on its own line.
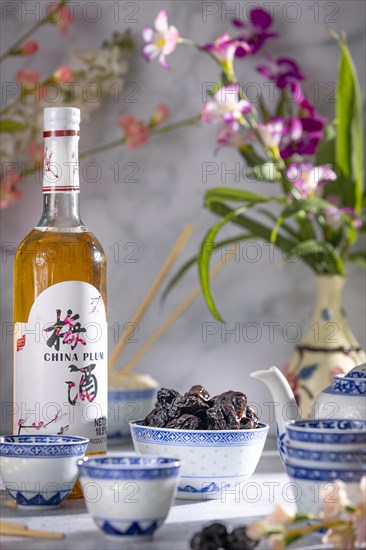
<point>58,250</point>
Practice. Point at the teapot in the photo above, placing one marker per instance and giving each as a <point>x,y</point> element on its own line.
<point>345,398</point>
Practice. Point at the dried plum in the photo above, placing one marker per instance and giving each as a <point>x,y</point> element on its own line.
<point>185,422</point>
<point>215,419</point>
<point>199,391</point>
<point>250,421</point>
<point>157,418</point>
<point>239,540</point>
<point>212,537</point>
<point>196,410</point>
<point>166,396</point>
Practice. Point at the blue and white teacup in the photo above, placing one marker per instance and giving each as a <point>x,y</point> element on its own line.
<point>40,471</point>
<point>129,496</point>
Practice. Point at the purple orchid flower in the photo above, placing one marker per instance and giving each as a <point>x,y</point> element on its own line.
<point>282,71</point>
<point>306,178</point>
<point>226,106</point>
<point>301,136</point>
<point>256,33</point>
<point>230,135</point>
<point>160,42</point>
<point>224,48</point>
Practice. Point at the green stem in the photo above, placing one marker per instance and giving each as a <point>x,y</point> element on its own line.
<point>29,33</point>
<point>121,141</point>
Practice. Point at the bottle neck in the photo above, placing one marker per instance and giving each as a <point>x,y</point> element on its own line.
<point>61,180</point>
<point>61,210</point>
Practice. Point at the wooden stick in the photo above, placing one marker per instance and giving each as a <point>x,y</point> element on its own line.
<point>170,320</point>
<point>150,294</point>
<point>11,529</point>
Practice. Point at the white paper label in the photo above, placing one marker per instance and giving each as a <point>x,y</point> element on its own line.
<point>61,365</point>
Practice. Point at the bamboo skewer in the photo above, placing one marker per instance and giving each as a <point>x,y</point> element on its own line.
<point>150,294</point>
<point>11,529</point>
<point>170,320</point>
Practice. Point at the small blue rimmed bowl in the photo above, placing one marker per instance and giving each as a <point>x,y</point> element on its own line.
<point>351,434</point>
<point>126,405</point>
<point>214,461</point>
<point>309,484</point>
<point>40,471</point>
<point>129,496</point>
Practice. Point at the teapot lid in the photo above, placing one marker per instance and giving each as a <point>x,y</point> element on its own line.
<point>352,384</point>
<point>357,372</point>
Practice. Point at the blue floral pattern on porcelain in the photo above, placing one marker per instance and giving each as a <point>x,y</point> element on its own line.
<point>130,468</point>
<point>202,438</point>
<point>128,528</point>
<point>324,474</point>
<point>337,457</point>
<point>50,446</point>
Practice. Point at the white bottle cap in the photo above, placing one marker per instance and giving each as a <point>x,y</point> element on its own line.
<point>61,118</point>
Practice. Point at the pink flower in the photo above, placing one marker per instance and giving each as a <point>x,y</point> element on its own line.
<point>224,48</point>
<point>28,77</point>
<point>162,41</point>
<point>341,538</point>
<point>35,152</point>
<point>306,178</point>
<point>28,48</point>
<point>63,74</point>
<point>136,131</point>
<point>159,114</point>
<point>9,194</point>
<point>334,500</point>
<point>359,515</point>
<point>226,106</point>
<point>21,421</point>
<point>60,16</point>
<point>227,135</point>
<point>276,542</point>
<point>270,132</point>
<point>256,530</point>
<point>280,515</point>
<point>38,426</point>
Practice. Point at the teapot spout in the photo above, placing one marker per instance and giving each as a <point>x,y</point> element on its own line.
<point>284,402</point>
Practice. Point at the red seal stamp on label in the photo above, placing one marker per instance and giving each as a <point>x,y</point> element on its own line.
<point>20,343</point>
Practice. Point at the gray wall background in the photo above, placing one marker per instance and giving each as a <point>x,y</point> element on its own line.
<point>170,189</point>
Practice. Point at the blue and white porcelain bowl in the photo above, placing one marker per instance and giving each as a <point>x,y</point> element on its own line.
<point>130,397</point>
<point>327,433</point>
<point>125,406</point>
<point>353,459</point>
<point>129,496</point>
<point>214,462</point>
<point>310,484</point>
<point>40,471</point>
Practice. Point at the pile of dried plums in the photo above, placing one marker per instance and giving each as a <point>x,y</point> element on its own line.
<point>196,410</point>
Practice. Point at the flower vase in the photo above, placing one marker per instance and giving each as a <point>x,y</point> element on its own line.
<point>328,348</point>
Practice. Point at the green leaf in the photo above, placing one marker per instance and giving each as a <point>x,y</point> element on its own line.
<point>349,138</point>
<point>8,125</point>
<point>325,151</point>
<point>204,257</point>
<point>234,195</point>
<point>185,267</point>
<point>280,109</point>
<point>323,251</point>
<point>265,171</point>
<point>266,115</point>
<point>260,230</point>
<point>250,156</point>
<point>312,205</point>
<point>358,257</point>
<point>289,230</point>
